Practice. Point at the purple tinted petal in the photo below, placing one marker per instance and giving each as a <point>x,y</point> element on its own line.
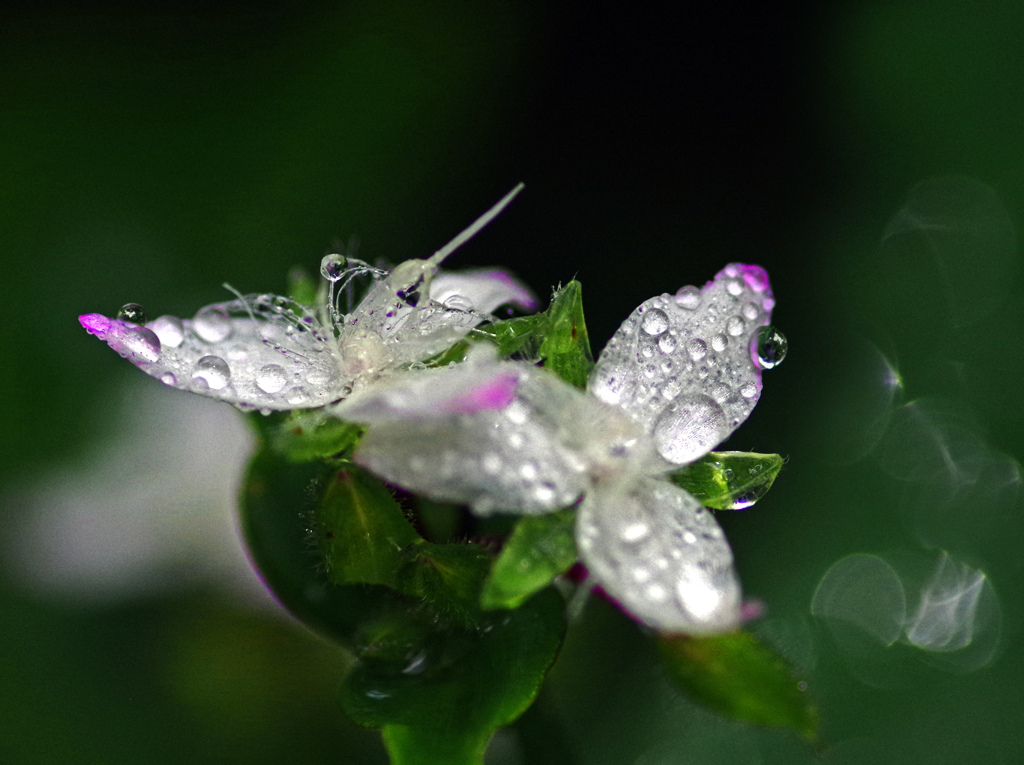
<point>496,393</point>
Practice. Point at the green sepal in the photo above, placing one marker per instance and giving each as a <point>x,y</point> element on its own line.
<point>303,436</point>
<point>730,480</point>
<point>447,578</point>
<point>441,705</point>
<point>362,533</point>
<point>565,348</point>
<point>739,677</point>
<point>540,548</point>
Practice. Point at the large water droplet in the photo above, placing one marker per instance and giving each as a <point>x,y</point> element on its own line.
<point>212,324</point>
<point>332,267</point>
<point>169,329</point>
<point>143,343</point>
<point>132,312</point>
<point>688,297</point>
<point>771,347</point>
<point>213,370</point>
<point>734,326</point>
<point>697,349</point>
<point>734,287</point>
<point>655,322</point>
<point>719,342</point>
<point>271,378</point>
<point>458,303</point>
<point>689,428</point>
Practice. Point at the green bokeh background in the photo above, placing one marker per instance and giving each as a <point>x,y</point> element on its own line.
<point>152,153</point>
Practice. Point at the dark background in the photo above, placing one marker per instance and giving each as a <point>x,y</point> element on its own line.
<point>152,153</point>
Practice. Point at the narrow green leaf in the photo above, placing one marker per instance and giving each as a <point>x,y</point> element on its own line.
<point>730,480</point>
<point>739,677</point>
<point>302,287</point>
<point>540,548</point>
<point>442,707</point>
<point>448,578</point>
<point>361,530</point>
<point>566,345</point>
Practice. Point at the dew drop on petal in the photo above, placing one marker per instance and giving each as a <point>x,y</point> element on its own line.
<point>271,378</point>
<point>735,326</point>
<point>458,303</point>
<point>719,342</point>
<point>212,370</point>
<point>168,378</point>
<point>332,267</point>
<point>688,297</point>
<point>169,329</point>
<point>132,312</point>
<point>655,322</point>
<point>734,287</point>
<point>771,347</point>
<point>297,395</point>
<point>748,390</point>
<point>142,342</point>
<point>689,428</point>
<point>750,311</point>
<point>667,343</point>
<point>697,349</point>
<point>212,324</point>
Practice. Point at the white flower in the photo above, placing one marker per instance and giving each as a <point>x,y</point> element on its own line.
<point>268,352</point>
<point>680,374</point>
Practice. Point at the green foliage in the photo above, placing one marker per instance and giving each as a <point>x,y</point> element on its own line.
<point>739,677</point>
<point>730,480</point>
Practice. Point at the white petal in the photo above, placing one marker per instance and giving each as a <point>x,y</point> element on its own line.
<point>651,546</point>
<point>483,289</point>
<point>456,434</point>
<point>685,367</point>
<point>261,352</point>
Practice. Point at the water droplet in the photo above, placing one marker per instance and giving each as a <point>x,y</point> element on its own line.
<point>734,287</point>
<point>634,532</point>
<point>734,326</point>
<point>132,312</point>
<point>771,347</point>
<point>697,349</point>
<point>748,390</point>
<point>168,378</point>
<point>728,474</point>
<point>271,378</point>
<point>318,376</point>
<point>655,322</point>
<point>297,395</point>
<point>689,428</point>
<point>212,370</point>
<point>750,311</point>
<point>143,343</point>
<point>458,303</point>
<point>333,267</point>
<point>688,297</point>
<point>528,471</point>
<point>667,343</point>
<point>169,329</point>
<point>719,342</point>
<point>212,324</point>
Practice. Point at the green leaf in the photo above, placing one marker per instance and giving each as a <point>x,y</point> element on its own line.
<point>739,677</point>
<point>565,348</point>
<point>361,530</point>
<point>540,548</point>
<point>442,707</point>
<point>730,480</point>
